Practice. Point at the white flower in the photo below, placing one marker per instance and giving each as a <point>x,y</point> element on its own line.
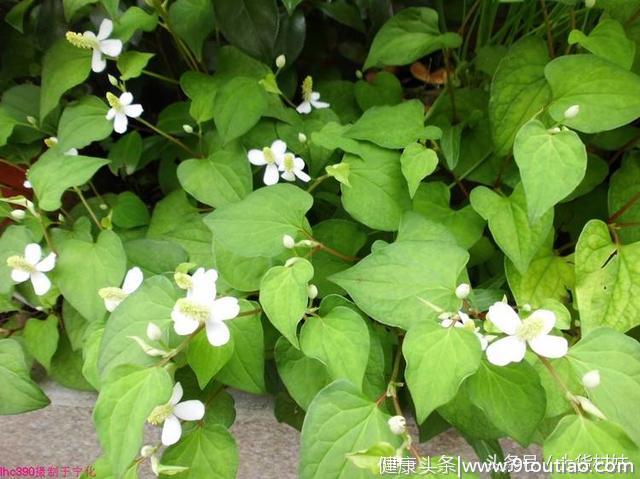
<point>121,108</point>
<point>201,307</point>
<point>292,167</point>
<point>464,321</point>
<point>591,379</point>
<point>27,184</point>
<point>463,290</point>
<point>114,296</point>
<point>30,266</point>
<point>397,425</point>
<point>310,98</point>
<point>302,138</point>
<point>572,112</point>
<point>101,44</point>
<point>170,414</point>
<point>281,61</point>
<point>154,333</point>
<point>272,156</point>
<point>533,330</point>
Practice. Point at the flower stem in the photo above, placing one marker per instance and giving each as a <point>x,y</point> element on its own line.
<point>168,137</point>
<point>556,377</point>
<point>161,77</point>
<point>87,207</point>
<point>316,183</point>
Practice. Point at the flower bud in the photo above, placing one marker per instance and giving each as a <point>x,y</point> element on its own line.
<point>61,218</point>
<point>526,308</point>
<point>154,333</point>
<point>281,61</point>
<point>149,350</point>
<point>32,120</point>
<point>554,130</point>
<point>312,291</point>
<point>147,450</point>
<point>183,280</point>
<point>187,128</point>
<point>589,3</point>
<point>51,141</point>
<point>306,243</point>
<point>397,425</point>
<point>359,74</point>
<point>104,206</point>
<point>588,406</point>
<point>571,112</point>
<point>302,138</point>
<point>591,379</point>
<point>18,215</point>
<point>113,80</point>
<point>27,184</point>
<point>463,290</point>
<point>288,242</point>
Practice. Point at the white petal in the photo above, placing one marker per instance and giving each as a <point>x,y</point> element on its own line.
<point>271,174</point>
<point>298,163</point>
<point>504,317</point>
<point>549,346</point>
<point>256,157</point>
<point>120,122</point>
<point>176,394</point>
<point>547,317</point>
<point>302,175</point>
<point>225,308</point>
<point>133,111</point>
<point>40,282</point>
<point>446,323</point>
<point>111,48</point>
<point>19,275</point>
<point>111,114</point>
<point>279,148</point>
<point>98,63</point>
<point>189,410</point>
<point>507,350</point>
<point>183,325</point>
<point>203,286</point>
<point>315,96</point>
<point>111,304</point>
<point>304,108</point>
<point>106,27</point>
<point>218,333</point>
<point>320,104</point>
<point>289,176</point>
<point>171,431</point>
<point>126,98</point>
<point>47,264</point>
<point>71,152</point>
<point>32,253</point>
<point>132,280</point>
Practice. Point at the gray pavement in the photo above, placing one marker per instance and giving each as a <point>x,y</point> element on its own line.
<point>62,435</point>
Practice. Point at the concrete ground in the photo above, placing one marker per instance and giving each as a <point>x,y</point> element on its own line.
<point>62,435</point>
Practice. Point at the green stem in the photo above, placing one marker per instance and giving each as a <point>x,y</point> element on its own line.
<point>87,207</point>
<point>316,183</point>
<point>161,77</point>
<point>168,137</point>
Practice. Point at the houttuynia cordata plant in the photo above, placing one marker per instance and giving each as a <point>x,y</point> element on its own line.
<point>379,213</point>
